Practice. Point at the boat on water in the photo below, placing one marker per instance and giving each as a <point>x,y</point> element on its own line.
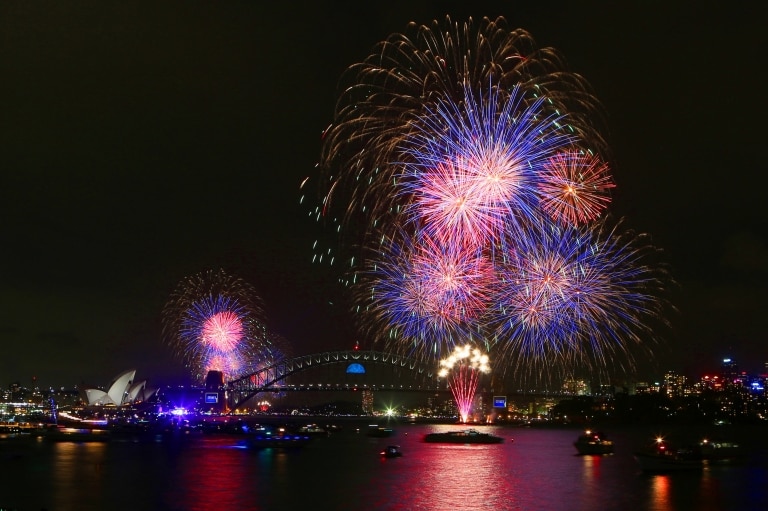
<point>672,462</point>
<point>720,451</point>
<point>71,434</point>
<point>313,430</point>
<point>665,458</point>
<point>262,438</point>
<point>376,431</point>
<point>391,451</point>
<point>593,443</point>
<point>466,436</point>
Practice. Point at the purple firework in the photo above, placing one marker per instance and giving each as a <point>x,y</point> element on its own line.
<point>468,165</point>
<point>472,168</point>
<point>578,297</point>
<point>442,69</point>
<point>214,321</point>
<point>425,296</point>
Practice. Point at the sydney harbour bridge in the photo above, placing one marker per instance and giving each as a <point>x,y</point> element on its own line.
<point>335,371</point>
<point>350,370</point>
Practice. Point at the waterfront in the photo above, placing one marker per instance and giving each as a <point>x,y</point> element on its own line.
<point>534,469</point>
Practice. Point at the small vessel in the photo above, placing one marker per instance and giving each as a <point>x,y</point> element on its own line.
<point>466,436</point>
<point>664,458</point>
<point>70,434</point>
<point>391,451</point>
<point>376,431</point>
<point>720,451</point>
<point>264,438</point>
<point>313,430</point>
<point>593,442</point>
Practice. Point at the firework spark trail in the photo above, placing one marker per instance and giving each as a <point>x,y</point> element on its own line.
<point>214,321</point>
<point>427,294</point>
<point>466,168</point>
<point>426,69</point>
<point>222,331</point>
<point>464,366</point>
<point>574,188</point>
<point>472,168</point>
<point>579,296</point>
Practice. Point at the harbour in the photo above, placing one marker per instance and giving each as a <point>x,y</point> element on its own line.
<point>534,468</point>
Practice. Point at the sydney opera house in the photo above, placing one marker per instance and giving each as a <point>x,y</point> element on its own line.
<point>122,391</point>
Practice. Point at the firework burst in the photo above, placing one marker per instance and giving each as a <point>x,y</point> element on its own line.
<point>466,168</point>
<point>428,294</point>
<point>471,169</point>
<point>574,187</point>
<point>214,321</point>
<point>440,71</point>
<point>578,297</point>
<point>463,368</point>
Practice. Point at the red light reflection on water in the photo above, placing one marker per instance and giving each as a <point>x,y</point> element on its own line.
<point>453,476</point>
<point>212,476</point>
<point>591,469</point>
<point>660,493</point>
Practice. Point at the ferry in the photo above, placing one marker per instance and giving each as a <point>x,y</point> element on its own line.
<point>593,442</point>
<point>664,458</point>
<point>262,438</point>
<point>467,436</point>
<point>720,451</point>
<point>69,434</point>
<point>376,431</point>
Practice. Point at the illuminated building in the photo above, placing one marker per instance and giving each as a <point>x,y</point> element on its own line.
<point>576,387</point>
<point>729,370</point>
<point>674,384</point>
<point>368,402</point>
<point>122,391</point>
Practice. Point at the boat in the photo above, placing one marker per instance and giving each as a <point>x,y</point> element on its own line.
<point>313,430</point>
<point>391,451</point>
<point>376,431</point>
<point>664,458</point>
<point>466,436</point>
<point>262,438</point>
<point>593,443</point>
<point>671,462</point>
<point>70,434</point>
<point>720,451</point>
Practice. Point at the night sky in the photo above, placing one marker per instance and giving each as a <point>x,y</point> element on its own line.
<point>143,142</point>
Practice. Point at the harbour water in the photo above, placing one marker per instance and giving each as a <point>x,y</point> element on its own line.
<point>534,469</point>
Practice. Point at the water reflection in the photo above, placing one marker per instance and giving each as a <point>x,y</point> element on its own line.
<point>660,494</point>
<point>463,477</point>
<point>591,468</point>
<point>344,472</point>
<point>213,475</point>
<point>78,474</point>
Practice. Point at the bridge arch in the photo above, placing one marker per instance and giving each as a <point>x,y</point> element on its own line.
<point>244,388</point>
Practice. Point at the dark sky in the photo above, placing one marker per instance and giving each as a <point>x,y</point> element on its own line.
<point>143,142</point>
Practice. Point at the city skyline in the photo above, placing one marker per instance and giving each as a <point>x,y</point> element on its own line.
<point>140,148</point>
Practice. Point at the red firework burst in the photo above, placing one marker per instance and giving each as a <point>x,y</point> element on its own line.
<point>574,187</point>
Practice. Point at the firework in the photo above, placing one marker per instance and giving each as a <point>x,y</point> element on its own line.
<point>464,366</point>
<point>574,187</point>
<point>466,168</point>
<point>426,295</point>
<point>440,71</point>
<point>472,168</point>
<point>578,297</point>
<point>214,321</point>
